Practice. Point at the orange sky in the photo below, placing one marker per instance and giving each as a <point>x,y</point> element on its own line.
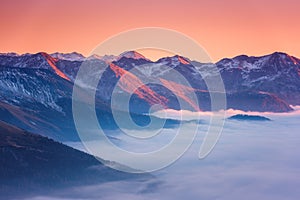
<point>223,28</point>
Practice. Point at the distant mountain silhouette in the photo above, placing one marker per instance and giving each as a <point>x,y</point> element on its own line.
<point>249,118</point>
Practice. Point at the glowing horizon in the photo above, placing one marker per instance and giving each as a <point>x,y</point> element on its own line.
<point>224,29</point>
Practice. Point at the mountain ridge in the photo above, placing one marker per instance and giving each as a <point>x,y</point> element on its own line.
<point>36,89</point>
<point>64,55</point>
<point>240,71</point>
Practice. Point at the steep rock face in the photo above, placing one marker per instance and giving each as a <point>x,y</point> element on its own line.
<point>277,74</point>
<point>21,85</point>
<point>258,101</point>
<point>34,96</point>
<point>254,79</point>
<point>128,82</point>
<point>38,99</point>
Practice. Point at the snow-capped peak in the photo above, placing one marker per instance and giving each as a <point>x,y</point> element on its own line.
<point>74,56</point>
<point>105,58</point>
<point>110,58</point>
<point>174,60</point>
<point>132,54</point>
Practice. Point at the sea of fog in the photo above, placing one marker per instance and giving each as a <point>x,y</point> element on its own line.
<point>252,160</point>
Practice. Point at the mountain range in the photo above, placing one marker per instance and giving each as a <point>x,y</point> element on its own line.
<point>36,89</point>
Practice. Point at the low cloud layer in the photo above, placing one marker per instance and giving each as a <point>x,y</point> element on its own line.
<point>190,115</point>
<point>252,160</point>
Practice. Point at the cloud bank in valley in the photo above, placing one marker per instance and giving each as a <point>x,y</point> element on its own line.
<point>252,160</point>
<point>191,115</point>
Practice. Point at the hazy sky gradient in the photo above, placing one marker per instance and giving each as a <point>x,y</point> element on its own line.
<point>223,28</point>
